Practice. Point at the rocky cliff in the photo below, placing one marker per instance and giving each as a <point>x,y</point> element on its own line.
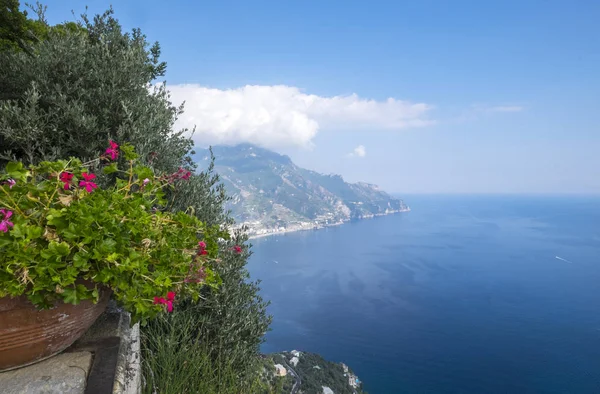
<point>270,193</point>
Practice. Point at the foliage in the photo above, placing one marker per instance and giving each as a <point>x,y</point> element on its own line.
<point>81,87</point>
<point>20,34</point>
<point>65,231</point>
<point>277,384</point>
<point>175,360</point>
<point>231,319</point>
<point>92,83</point>
<point>316,372</point>
<point>16,30</point>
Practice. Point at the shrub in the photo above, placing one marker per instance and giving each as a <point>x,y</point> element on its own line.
<point>83,85</point>
<point>176,361</point>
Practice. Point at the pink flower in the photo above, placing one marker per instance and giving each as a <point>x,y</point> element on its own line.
<point>168,302</point>
<point>88,184</point>
<point>66,177</point>
<point>5,223</point>
<point>237,249</point>
<point>113,150</point>
<point>145,181</point>
<point>202,246</point>
<point>11,183</point>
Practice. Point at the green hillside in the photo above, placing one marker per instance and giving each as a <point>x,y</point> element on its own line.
<point>270,192</point>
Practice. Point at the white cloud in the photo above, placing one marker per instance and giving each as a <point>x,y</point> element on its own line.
<point>359,151</point>
<point>275,116</point>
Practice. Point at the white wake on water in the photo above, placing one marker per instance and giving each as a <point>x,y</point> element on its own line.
<point>565,260</point>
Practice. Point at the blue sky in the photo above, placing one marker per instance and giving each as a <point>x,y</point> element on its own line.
<point>486,96</point>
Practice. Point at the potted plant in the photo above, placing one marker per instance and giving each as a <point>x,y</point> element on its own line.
<point>68,244</point>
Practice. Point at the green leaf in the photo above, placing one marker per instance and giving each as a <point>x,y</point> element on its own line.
<point>80,260</point>
<point>107,246</point>
<point>129,152</point>
<point>83,292</point>
<point>143,172</point>
<point>16,171</point>
<point>70,296</point>
<point>46,254</point>
<point>19,231</point>
<point>112,168</point>
<point>34,232</point>
<point>14,167</point>
<point>60,249</point>
<point>96,293</point>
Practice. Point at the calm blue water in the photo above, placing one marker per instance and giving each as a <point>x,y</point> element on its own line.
<point>461,295</point>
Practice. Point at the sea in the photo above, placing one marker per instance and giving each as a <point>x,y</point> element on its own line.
<point>463,294</point>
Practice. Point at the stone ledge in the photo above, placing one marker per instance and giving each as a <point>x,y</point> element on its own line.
<point>105,360</point>
<point>65,373</point>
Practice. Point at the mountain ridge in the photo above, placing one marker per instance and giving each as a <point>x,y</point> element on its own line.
<point>270,194</point>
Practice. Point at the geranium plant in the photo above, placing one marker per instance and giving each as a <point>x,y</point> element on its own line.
<point>63,237</point>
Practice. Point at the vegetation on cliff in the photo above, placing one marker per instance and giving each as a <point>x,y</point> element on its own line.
<point>311,373</point>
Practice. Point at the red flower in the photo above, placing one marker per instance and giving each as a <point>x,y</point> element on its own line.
<point>202,246</point>
<point>88,184</point>
<point>88,177</point>
<point>168,302</point>
<point>66,177</point>
<point>186,176</point>
<point>113,150</point>
<point>237,249</point>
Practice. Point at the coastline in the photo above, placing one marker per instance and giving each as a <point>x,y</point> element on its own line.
<point>308,227</point>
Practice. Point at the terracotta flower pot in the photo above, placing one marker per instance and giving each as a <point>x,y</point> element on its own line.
<point>29,335</point>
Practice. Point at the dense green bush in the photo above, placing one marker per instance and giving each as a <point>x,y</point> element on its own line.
<point>77,87</point>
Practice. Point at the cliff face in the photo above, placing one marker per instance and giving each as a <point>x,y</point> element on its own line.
<point>269,191</point>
